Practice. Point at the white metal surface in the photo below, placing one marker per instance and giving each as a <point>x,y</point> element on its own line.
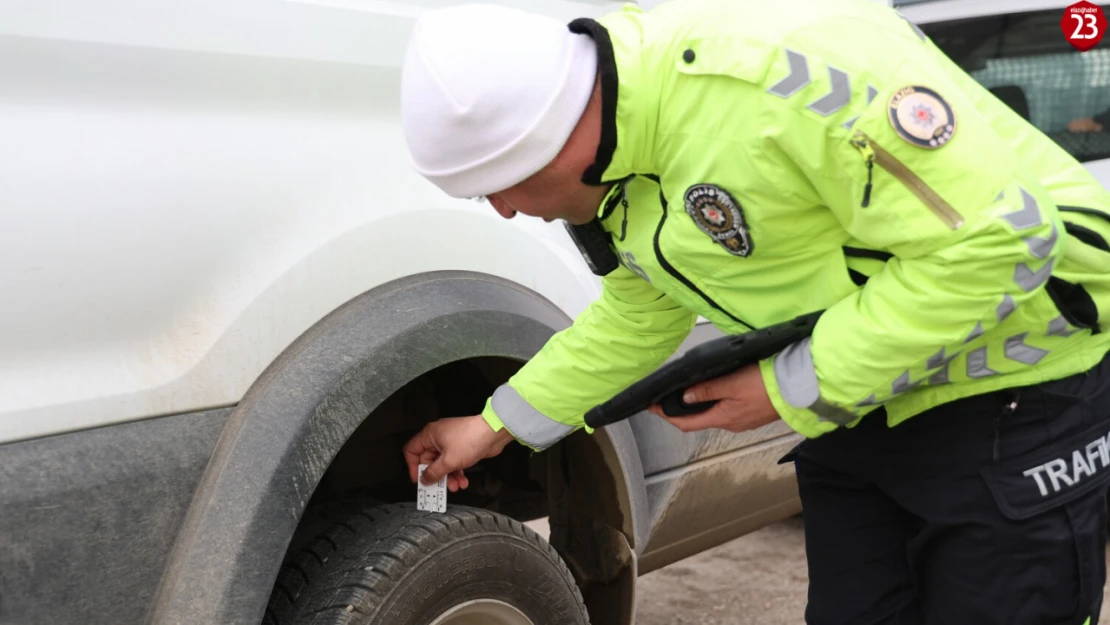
<point>943,10</point>
<point>185,187</point>
<point>933,11</point>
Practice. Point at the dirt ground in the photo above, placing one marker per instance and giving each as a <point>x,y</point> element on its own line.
<point>759,575</point>
<point>763,573</point>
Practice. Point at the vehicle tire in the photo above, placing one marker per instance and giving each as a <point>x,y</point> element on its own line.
<point>395,565</point>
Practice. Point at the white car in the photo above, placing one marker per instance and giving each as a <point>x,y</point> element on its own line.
<point>228,301</point>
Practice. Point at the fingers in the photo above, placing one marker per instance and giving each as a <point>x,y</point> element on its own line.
<point>456,480</point>
<point>436,470</point>
<point>716,388</point>
<point>719,416</point>
<point>695,422</point>
<point>416,450</point>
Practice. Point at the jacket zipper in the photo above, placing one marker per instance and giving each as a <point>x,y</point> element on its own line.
<point>876,155</point>
<point>677,275</point>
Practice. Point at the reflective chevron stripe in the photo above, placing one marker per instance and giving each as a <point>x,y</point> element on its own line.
<point>1028,217</point>
<point>940,377</point>
<point>936,360</point>
<point>1041,247</point>
<point>976,332</point>
<point>903,384</point>
<point>940,359</point>
<point>798,78</point>
<point>1006,308</point>
<point>840,89</point>
<point>837,98</point>
<point>871,93</point>
<point>1060,327</point>
<point>1017,350</point>
<point>1028,279</point>
<point>977,364</point>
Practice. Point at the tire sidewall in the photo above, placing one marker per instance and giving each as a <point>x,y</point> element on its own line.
<point>484,566</point>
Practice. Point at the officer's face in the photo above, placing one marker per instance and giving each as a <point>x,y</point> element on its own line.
<point>557,190</point>
<point>553,197</point>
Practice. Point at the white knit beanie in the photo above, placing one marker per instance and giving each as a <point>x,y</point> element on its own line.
<point>489,95</point>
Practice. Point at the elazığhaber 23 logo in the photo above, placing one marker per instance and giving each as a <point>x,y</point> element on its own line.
<point>1084,25</point>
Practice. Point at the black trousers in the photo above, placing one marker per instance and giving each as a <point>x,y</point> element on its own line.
<point>987,510</point>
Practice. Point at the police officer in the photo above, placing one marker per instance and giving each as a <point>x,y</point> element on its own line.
<point>751,162</point>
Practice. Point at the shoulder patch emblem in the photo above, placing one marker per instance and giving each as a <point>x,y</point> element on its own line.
<point>922,117</point>
<point>717,214</point>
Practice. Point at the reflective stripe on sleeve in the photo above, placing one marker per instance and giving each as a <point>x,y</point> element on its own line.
<point>527,424</point>
<point>797,382</point>
<point>797,376</point>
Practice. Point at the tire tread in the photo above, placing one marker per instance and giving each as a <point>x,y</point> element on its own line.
<point>317,584</point>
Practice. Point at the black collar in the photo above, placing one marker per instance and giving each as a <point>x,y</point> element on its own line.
<point>607,68</point>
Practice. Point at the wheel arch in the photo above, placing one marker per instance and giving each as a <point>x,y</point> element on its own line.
<point>280,439</point>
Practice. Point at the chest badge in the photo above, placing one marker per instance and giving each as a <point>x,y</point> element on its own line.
<point>719,215</point>
<point>922,117</point>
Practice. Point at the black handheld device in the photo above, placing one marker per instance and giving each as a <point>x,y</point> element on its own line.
<point>709,360</point>
<point>595,245</point>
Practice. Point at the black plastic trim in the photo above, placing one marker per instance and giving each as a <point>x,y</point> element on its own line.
<point>89,517</point>
<point>1074,303</point>
<point>1085,211</point>
<point>1088,236</point>
<point>857,277</point>
<point>282,437</point>
<point>859,252</point>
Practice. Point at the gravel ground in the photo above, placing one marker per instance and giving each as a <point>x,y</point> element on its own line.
<point>763,573</point>
<point>760,578</point>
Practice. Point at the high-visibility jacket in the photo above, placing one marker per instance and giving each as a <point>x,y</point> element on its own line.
<point>767,163</point>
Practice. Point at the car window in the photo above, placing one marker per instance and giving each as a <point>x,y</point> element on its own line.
<point>1024,59</point>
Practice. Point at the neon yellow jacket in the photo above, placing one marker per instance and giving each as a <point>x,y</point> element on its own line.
<point>835,160</point>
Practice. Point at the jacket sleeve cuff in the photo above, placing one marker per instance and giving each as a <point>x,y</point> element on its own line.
<point>802,420</point>
<point>494,421</point>
<point>491,417</point>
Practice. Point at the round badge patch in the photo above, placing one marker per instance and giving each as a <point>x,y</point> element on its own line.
<point>922,117</point>
<point>719,216</point>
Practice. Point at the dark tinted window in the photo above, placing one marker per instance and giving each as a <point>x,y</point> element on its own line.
<point>1024,59</point>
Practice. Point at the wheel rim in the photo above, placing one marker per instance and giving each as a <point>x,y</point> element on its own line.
<point>483,612</point>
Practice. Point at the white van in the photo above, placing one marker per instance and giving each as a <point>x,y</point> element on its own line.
<point>228,301</point>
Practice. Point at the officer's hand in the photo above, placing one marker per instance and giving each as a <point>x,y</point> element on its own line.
<point>1084,125</point>
<point>743,403</point>
<point>448,446</point>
